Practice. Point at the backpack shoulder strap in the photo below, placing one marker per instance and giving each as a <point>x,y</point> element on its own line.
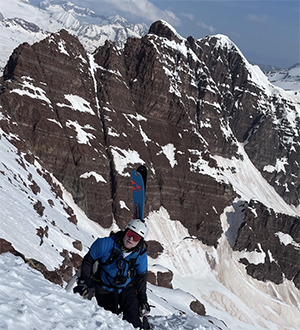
<point>98,264</point>
<point>115,254</point>
<point>142,250</point>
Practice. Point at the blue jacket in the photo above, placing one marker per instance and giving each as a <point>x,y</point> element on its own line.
<point>120,267</point>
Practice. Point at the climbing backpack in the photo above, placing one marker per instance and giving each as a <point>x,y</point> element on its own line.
<point>120,279</point>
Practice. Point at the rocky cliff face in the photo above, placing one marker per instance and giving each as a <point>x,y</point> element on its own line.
<point>266,232</point>
<point>170,103</point>
<point>48,79</point>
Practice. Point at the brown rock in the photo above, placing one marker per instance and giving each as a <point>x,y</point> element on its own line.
<point>260,231</point>
<point>154,248</point>
<point>164,279</point>
<point>197,307</point>
<point>6,246</point>
<point>77,245</point>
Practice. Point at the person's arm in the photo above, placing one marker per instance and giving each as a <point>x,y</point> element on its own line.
<point>85,281</point>
<point>141,284</point>
<point>86,269</point>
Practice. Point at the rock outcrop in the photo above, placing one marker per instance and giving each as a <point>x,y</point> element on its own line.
<point>164,101</point>
<point>276,237</point>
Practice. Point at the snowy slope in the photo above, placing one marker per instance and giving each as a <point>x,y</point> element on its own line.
<point>16,194</point>
<point>288,79</point>
<point>16,27</point>
<point>28,301</point>
<point>214,276</point>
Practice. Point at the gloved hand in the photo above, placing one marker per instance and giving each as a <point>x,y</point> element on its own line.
<point>82,289</point>
<point>144,308</point>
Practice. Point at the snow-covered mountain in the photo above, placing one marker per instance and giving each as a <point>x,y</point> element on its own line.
<point>222,147</point>
<point>22,22</point>
<point>288,79</point>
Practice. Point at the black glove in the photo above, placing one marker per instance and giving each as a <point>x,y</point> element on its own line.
<point>82,289</point>
<point>144,308</point>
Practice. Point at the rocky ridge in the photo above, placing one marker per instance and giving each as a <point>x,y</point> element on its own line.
<point>173,104</point>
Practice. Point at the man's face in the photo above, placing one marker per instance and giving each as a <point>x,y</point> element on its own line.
<point>131,239</point>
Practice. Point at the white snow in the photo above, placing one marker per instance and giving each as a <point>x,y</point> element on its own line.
<point>249,183</point>
<point>28,301</point>
<point>53,18</point>
<point>124,206</point>
<point>169,151</point>
<point>55,121</point>
<point>137,117</point>
<point>28,89</point>
<point>280,163</point>
<point>287,239</point>
<point>124,158</point>
<point>62,48</point>
<point>213,276</point>
<point>288,79</point>
<point>98,177</point>
<point>82,136</point>
<point>20,223</point>
<point>77,103</point>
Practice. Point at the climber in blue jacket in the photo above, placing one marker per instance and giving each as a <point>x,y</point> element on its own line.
<point>115,269</point>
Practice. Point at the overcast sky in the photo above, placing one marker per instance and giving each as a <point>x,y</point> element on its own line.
<point>266,31</point>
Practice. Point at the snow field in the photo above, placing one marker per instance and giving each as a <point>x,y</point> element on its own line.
<point>219,281</point>
<point>30,302</point>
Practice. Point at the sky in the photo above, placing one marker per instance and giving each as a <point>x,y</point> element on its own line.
<point>267,31</point>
